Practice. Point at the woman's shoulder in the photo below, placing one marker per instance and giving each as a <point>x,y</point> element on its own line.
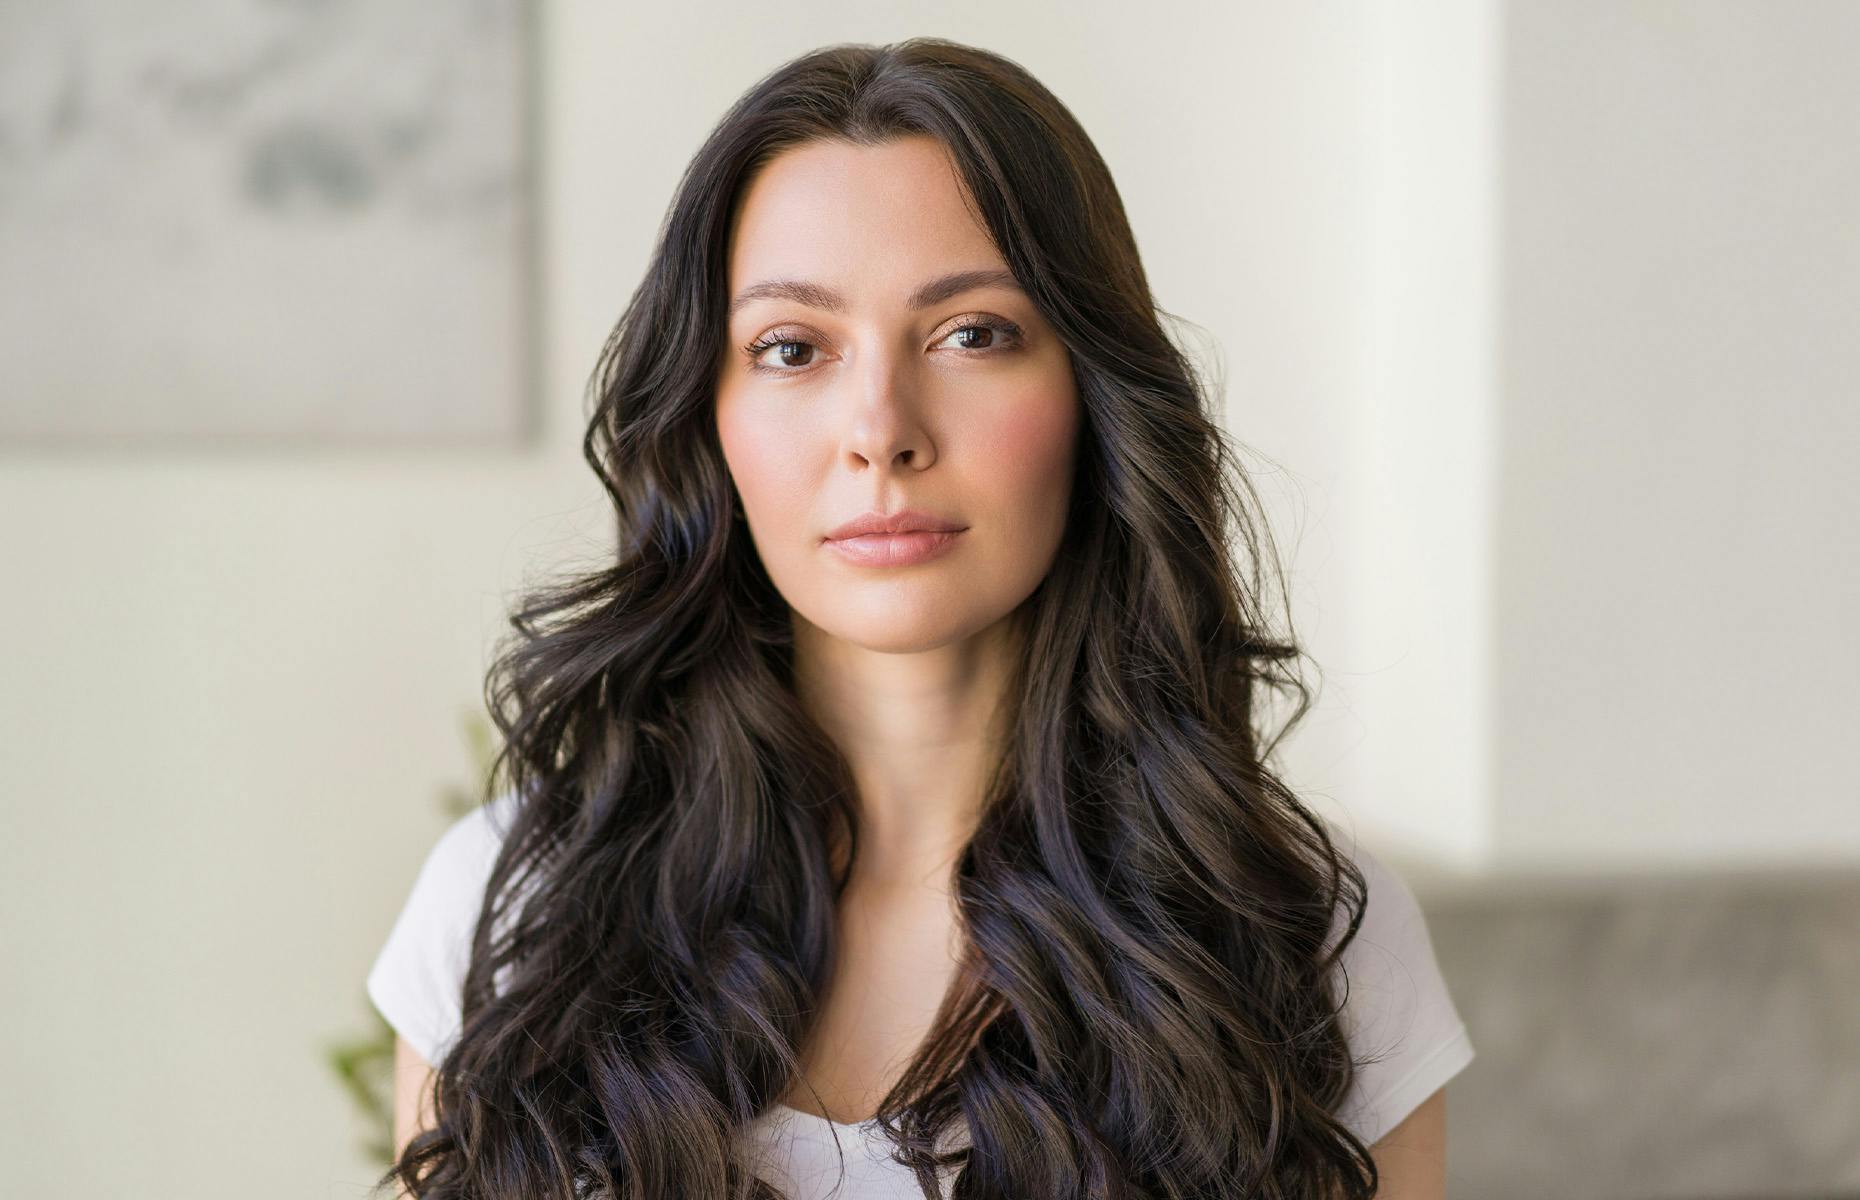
<point>1391,910</point>
<point>471,842</point>
<point>457,867</point>
<point>1404,1030</point>
<point>417,979</point>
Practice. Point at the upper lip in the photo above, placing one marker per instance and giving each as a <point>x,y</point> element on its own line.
<point>907,520</point>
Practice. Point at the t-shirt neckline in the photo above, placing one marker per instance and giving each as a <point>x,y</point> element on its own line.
<point>854,1126</point>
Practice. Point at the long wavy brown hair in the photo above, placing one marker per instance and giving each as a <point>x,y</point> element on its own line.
<point>1149,1005</point>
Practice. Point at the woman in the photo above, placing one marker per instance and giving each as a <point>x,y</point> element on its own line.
<point>892,811</point>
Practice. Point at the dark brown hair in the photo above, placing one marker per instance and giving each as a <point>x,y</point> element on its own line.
<point>1149,1005</point>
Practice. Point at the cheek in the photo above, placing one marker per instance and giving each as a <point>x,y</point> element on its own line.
<point>764,456</point>
<point>1030,447</point>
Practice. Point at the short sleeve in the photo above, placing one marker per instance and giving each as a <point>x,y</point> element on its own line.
<point>1398,1017</point>
<point>417,980</point>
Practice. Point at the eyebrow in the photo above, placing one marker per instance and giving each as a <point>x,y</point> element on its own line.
<point>933,291</point>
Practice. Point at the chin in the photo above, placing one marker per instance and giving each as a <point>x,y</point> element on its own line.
<point>894,632</point>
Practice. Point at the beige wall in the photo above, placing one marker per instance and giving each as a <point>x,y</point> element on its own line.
<point>1524,515</point>
<point>1678,509</point>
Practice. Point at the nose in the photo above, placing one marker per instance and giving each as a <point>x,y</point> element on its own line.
<point>885,425</point>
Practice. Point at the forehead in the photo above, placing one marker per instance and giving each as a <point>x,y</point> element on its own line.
<point>857,214</point>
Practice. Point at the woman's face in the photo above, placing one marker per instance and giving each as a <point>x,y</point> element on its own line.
<point>865,393</point>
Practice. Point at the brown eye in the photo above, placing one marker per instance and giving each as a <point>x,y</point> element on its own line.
<point>982,336</point>
<point>790,352</point>
<point>794,355</point>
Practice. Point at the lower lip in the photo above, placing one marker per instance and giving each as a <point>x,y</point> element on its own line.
<point>894,549</point>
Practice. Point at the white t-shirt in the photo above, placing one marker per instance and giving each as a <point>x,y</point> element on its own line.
<point>1398,1009</point>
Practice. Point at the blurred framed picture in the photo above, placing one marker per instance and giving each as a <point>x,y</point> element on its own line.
<point>293,222</point>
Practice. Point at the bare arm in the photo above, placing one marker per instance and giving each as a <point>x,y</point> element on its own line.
<point>413,1094</point>
<point>1412,1157</point>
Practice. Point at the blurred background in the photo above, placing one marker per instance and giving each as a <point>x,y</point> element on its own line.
<point>1543,314</point>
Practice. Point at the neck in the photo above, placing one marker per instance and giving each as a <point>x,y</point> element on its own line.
<point>921,733</point>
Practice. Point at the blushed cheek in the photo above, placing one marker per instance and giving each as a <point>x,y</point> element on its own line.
<point>1033,442</point>
<point>765,460</point>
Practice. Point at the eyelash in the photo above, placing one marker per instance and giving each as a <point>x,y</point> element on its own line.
<point>769,341</point>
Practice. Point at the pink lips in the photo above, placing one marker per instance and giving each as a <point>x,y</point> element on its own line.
<point>894,540</point>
